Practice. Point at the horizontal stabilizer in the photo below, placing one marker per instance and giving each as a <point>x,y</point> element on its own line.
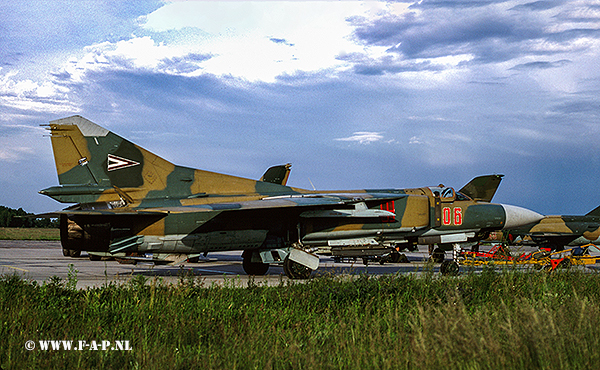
<point>105,212</point>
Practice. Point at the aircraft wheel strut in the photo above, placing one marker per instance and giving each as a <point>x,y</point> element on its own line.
<point>438,255</point>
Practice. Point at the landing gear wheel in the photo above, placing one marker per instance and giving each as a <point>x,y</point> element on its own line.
<point>402,258</point>
<point>74,253</point>
<point>254,268</point>
<point>449,268</point>
<point>438,255</point>
<point>394,257</point>
<point>294,270</point>
<point>94,257</point>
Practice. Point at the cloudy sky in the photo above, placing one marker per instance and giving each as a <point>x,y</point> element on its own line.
<point>353,94</point>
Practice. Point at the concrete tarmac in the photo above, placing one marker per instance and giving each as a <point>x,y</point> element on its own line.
<point>40,260</point>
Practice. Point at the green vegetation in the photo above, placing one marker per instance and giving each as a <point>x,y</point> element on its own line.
<point>14,226</point>
<point>15,218</point>
<point>19,233</point>
<point>492,320</point>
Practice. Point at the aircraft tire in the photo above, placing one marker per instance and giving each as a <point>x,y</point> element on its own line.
<point>449,268</point>
<point>399,258</point>
<point>94,257</point>
<point>294,270</point>
<point>74,253</point>
<point>254,268</point>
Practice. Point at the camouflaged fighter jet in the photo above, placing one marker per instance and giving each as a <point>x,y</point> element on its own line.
<point>134,204</point>
<point>556,232</point>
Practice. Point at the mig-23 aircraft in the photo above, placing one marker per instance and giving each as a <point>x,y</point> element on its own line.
<point>556,232</point>
<point>132,203</point>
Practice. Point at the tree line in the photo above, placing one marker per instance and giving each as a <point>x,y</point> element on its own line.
<point>15,218</point>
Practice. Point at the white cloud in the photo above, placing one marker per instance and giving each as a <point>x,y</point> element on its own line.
<point>415,140</point>
<point>363,137</point>
<point>29,95</point>
<point>240,34</point>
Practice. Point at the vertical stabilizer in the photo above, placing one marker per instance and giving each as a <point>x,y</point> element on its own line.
<point>86,153</point>
<point>594,212</point>
<point>277,174</point>
<point>94,159</point>
<point>482,188</point>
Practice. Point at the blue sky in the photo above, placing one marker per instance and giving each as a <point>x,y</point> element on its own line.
<point>354,94</point>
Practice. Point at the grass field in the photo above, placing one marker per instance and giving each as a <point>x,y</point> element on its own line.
<point>491,320</point>
<point>18,233</point>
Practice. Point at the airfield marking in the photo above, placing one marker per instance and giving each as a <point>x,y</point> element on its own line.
<point>16,268</point>
<point>208,270</point>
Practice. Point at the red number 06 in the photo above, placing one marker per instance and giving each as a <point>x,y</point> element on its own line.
<point>447,216</point>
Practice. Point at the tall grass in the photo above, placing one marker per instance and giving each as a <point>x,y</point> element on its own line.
<point>491,320</point>
<point>29,233</point>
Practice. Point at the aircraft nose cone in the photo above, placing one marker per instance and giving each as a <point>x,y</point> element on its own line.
<point>519,216</point>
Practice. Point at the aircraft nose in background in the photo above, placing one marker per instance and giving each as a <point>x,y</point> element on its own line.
<point>518,216</point>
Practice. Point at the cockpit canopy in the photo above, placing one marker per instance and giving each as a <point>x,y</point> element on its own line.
<point>447,194</point>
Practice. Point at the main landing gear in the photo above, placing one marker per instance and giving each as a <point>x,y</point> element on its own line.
<point>252,266</point>
<point>297,263</point>
<point>294,270</point>
<point>71,253</point>
<point>449,268</point>
<point>438,255</point>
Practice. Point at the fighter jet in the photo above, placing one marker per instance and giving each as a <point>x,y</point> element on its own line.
<point>556,232</point>
<point>132,203</point>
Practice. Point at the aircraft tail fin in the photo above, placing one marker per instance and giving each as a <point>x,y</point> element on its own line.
<point>87,154</point>
<point>277,174</point>
<point>482,188</point>
<point>96,165</point>
<point>594,212</point>
<point>71,153</point>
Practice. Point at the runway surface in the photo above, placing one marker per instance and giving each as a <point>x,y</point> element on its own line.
<point>40,260</point>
